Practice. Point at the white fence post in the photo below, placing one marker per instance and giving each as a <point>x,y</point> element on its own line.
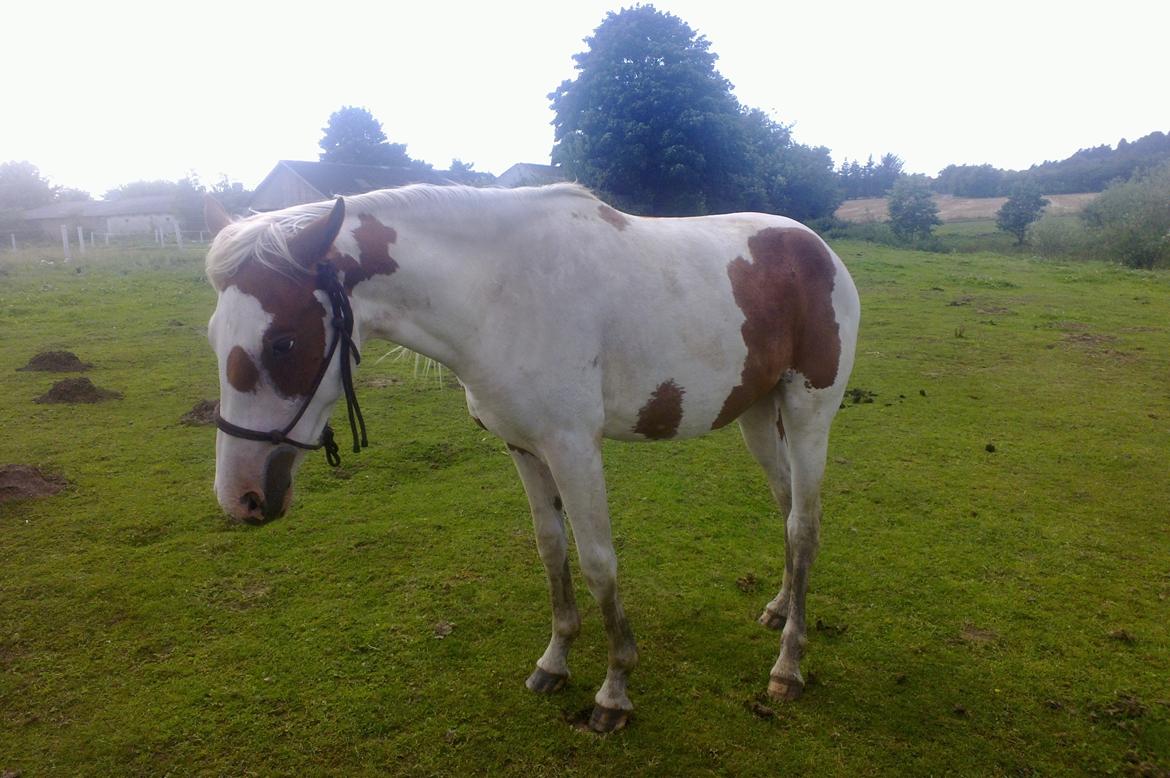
<point>14,241</point>
<point>65,241</point>
<point>80,239</point>
<point>107,238</point>
<point>178,236</point>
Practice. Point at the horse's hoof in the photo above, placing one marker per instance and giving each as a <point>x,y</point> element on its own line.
<point>785,689</point>
<point>543,682</point>
<point>772,620</point>
<point>606,720</point>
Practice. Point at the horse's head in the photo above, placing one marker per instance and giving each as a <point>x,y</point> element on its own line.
<point>276,332</point>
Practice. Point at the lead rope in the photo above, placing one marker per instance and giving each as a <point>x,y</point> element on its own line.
<point>343,323</point>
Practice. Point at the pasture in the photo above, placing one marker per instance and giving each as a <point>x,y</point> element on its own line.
<point>991,596</point>
<point>958,209</point>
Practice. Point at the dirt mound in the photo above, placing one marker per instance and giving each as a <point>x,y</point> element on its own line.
<point>77,390</point>
<point>56,362</point>
<point>201,414</point>
<point>23,482</point>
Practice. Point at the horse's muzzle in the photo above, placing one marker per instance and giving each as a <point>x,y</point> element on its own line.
<point>261,507</point>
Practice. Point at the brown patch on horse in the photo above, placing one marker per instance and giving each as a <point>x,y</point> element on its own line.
<point>614,217</point>
<point>296,313</point>
<point>785,294</point>
<point>242,372</point>
<point>659,418</point>
<point>373,239</point>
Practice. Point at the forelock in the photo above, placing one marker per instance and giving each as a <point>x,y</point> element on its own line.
<point>262,238</point>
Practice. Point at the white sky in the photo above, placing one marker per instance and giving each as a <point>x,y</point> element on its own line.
<point>100,94</point>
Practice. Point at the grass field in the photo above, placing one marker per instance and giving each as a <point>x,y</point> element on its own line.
<point>959,209</point>
<point>991,596</point>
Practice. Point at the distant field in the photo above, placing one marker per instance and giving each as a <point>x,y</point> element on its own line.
<point>957,209</point>
<point>990,596</point>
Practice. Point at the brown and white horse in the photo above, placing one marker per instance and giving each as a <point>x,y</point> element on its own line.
<point>567,322</point>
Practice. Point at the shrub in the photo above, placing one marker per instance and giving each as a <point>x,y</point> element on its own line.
<point>1130,221</point>
<point>913,213</point>
<point>1055,237</point>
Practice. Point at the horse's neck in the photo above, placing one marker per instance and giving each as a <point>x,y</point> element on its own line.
<point>431,303</point>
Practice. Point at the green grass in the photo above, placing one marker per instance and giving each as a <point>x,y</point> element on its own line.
<point>958,237</point>
<point>984,612</point>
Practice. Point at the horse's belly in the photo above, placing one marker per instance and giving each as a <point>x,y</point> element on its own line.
<point>674,384</point>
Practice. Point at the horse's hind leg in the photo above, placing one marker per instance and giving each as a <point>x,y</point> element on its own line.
<point>763,432</point>
<point>807,414</point>
<point>552,669</point>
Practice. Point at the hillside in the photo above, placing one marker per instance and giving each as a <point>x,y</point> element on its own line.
<point>958,209</point>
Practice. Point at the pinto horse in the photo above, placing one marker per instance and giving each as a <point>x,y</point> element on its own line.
<point>566,322</point>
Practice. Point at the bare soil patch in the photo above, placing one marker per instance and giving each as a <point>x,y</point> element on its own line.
<point>201,414</point>
<point>25,482</point>
<point>977,635</point>
<point>1088,338</point>
<point>77,390</point>
<point>56,362</point>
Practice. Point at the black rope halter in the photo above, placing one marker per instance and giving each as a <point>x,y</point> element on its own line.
<point>327,282</point>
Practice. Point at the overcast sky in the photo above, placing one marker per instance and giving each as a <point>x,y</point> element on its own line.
<point>100,94</point>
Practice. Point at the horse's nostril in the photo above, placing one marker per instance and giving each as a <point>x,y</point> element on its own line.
<point>252,501</point>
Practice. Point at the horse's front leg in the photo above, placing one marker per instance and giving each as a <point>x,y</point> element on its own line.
<point>575,462</point>
<point>552,669</point>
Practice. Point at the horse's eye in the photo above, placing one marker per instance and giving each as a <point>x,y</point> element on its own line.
<point>283,346</point>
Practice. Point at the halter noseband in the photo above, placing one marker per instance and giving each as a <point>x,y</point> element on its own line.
<point>342,333</point>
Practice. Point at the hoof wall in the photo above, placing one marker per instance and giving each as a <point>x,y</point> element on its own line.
<point>606,720</point>
<point>785,689</point>
<point>772,620</point>
<point>543,682</point>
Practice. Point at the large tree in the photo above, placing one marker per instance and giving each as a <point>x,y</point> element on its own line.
<point>22,187</point>
<point>652,125</point>
<point>648,119</point>
<point>353,136</point>
<point>779,175</point>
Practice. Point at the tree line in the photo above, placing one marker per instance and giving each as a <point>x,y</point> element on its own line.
<point>1087,170</point>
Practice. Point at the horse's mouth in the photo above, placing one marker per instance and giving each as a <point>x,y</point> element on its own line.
<point>278,470</point>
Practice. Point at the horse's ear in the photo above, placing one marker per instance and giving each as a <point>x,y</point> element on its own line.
<point>215,215</point>
<point>312,243</point>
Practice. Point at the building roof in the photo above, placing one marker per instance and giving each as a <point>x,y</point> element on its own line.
<point>332,178</point>
<point>530,174</point>
<point>124,207</point>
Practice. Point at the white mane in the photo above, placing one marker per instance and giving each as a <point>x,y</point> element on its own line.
<point>264,236</point>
